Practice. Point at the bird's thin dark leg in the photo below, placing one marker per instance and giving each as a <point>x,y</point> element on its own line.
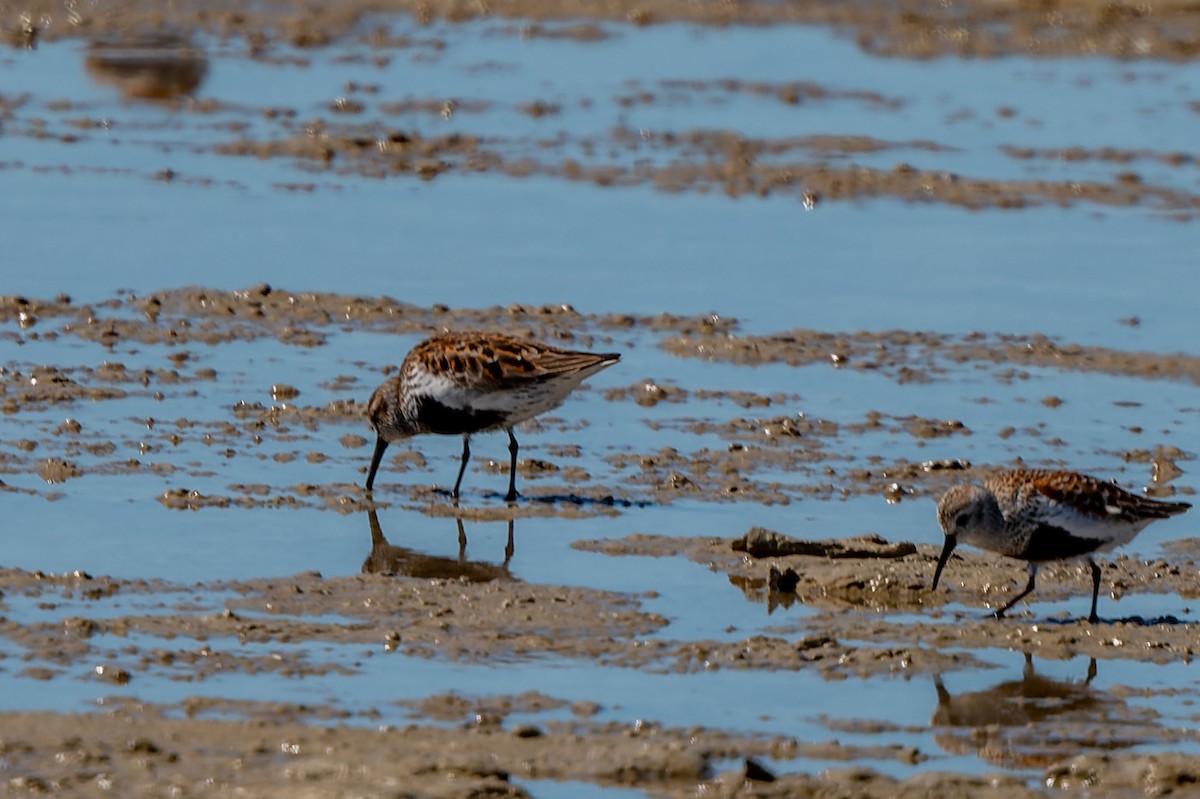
<point>1028,589</point>
<point>466,456</point>
<point>1092,617</point>
<point>512,467</point>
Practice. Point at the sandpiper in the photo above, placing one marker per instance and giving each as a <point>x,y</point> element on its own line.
<point>465,383</point>
<point>1040,515</point>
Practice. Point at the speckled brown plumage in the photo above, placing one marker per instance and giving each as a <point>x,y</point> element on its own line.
<point>1040,515</point>
<point>465,383</point>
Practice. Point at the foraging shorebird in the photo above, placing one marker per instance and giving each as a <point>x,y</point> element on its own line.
<point>1040,516</point>
<point>466,383</point>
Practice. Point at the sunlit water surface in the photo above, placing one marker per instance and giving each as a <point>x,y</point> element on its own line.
<point>481,240</point>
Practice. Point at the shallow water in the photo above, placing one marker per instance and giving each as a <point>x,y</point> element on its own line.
<point>1072,273</point>
<point>89,218</point>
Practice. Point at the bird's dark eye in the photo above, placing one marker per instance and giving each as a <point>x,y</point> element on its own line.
<point>961,519</point>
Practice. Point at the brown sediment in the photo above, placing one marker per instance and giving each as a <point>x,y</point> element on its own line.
<point>56,470</point>
<point>200,316</point>
<point>773,452</point>
<point>923,356</point>
<point>875,577</point>
<point>480,614</point>
<point>917,29</point>
<point>277,754</point>
<point>474,611</point>
<point>361,133</point>
<point>847,609</point>
<point>708,161</point>
<point>863,608</point>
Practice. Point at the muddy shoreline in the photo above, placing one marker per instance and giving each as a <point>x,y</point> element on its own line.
<point>846,610</point>
<point>136,748</point>
<point>473,611</point>
<point>403,606</point>
<point>917,29</point>
<point>199,403</point>
<point>177,328</point>
<point>161,56</point>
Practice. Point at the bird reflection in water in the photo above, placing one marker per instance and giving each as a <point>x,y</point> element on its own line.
<point>779,589</point>
<point>161,68</point>
<point>385,558</point>
<point>1031,722</point>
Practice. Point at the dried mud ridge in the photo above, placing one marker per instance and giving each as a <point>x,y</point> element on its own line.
<point>136,748</point>
<point>912,29</point>
<point>158,347</point>
<point>840,579</point>
<point>474,611</point>
<point>365,133</point>
<point>705,161</point>
<point>458,746</point>
<point>361,139</point>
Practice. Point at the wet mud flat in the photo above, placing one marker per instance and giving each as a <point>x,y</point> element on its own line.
<point>139,749</point>
<point>374,129</point>
<point>756,447</point>
<point>716,580</point>
<point>917,29</point>
<point>450,609</point>
<point>508,745</point>
<point>179,402</point>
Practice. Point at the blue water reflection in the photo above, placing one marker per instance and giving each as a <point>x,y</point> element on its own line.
<point>140,201</point>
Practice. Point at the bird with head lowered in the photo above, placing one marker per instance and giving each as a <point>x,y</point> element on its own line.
<point>1039,516</point>
<point>467,383</point>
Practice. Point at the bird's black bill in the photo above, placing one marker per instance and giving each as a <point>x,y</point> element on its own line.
<point>946,550</point>
<point>380,446</point>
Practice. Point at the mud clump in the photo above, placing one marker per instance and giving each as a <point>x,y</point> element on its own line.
<point>924,30</point>
<point>145,747</point>
<point>900,354</point>
<point>760,543</point>
<point>848,582</point>
<point>57,470</point>
<point>841,609</point>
